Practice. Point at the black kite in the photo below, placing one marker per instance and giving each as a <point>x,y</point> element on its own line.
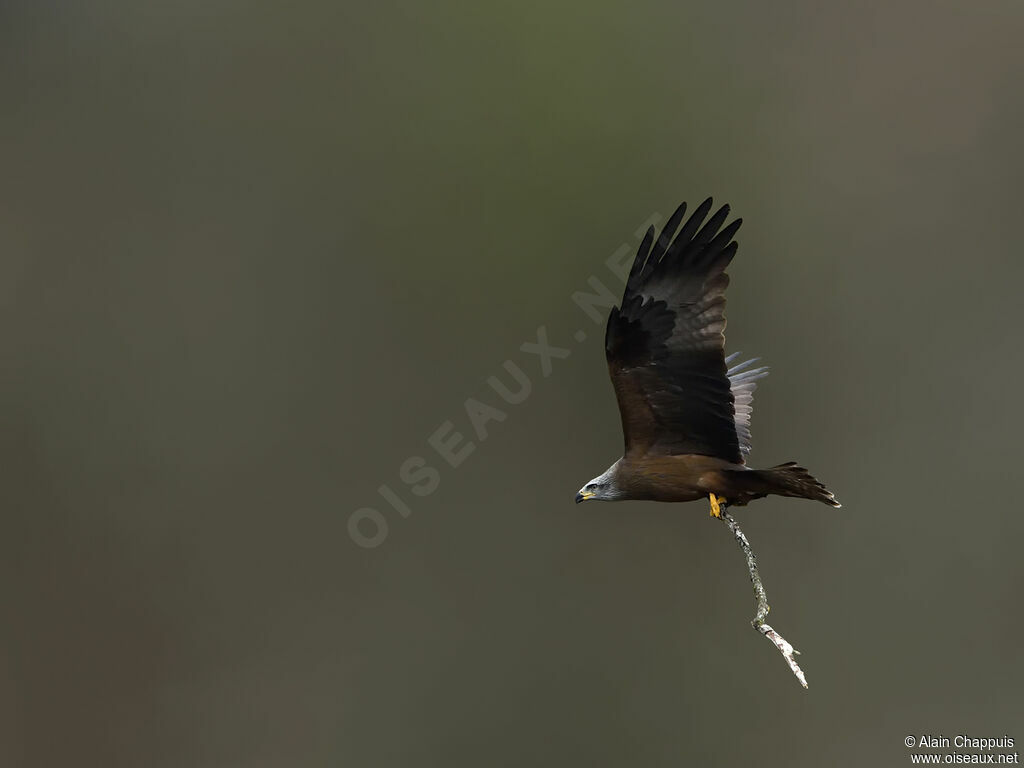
<point>685,412</point>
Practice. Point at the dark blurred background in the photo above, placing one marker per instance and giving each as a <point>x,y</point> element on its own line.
<point>252,256</point>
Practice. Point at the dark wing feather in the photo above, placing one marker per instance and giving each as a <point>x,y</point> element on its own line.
<point>665,344</point>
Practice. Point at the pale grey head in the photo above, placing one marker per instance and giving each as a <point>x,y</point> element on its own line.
<point>602,488</point>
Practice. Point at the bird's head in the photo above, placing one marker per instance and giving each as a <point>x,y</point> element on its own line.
<point>601,488</point>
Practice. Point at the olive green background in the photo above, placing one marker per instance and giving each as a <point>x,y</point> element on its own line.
<point>253,255</point>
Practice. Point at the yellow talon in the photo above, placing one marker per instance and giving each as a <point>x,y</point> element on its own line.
<point>717,502</point>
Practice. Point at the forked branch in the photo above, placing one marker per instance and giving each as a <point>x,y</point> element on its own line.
<point>787,650</point>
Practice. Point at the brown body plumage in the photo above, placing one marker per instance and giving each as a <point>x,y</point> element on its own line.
<point>685,413</point>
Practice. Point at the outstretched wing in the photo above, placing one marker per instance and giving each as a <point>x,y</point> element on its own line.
<point>665,344</point>
<point>742,383</point>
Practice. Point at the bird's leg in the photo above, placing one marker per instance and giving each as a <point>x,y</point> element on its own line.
<point>717,505</point>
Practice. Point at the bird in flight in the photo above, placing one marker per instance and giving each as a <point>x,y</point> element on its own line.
<point>685,406</point>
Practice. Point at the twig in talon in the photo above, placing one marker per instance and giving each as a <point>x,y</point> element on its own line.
<point>685,405</point>
<point>785,647</point>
